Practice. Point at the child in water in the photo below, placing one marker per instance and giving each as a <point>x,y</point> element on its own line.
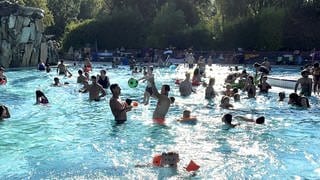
<point>187,117</point>
<point>166,159</point>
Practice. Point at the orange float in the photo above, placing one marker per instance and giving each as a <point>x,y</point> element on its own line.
<point>156,161</point>
<point>192,166</point>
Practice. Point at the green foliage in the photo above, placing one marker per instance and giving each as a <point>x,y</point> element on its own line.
<point>167,23</point>
<point>79,33</point>
<point>90,8</point>
<point>63,12</point>
<point>203,24</point>
<point>123,28</point>
<point>271,27</point>
<point>42,4</point>
<point>264,32</point>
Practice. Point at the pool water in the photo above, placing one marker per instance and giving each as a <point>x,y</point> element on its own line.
<point>75,138</point>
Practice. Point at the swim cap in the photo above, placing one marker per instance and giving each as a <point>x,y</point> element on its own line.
<point>132,83</point>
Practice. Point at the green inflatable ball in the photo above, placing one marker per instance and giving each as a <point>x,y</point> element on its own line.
<point>132,83</point>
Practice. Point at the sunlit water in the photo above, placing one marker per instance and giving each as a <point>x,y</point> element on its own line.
<point>74,138</point>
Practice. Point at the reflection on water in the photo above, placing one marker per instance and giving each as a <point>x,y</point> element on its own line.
<point>75,138</point>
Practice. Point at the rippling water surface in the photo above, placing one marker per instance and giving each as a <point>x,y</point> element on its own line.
<point>74,138</point>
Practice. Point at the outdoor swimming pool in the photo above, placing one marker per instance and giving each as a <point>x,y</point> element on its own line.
<point>74,138</point>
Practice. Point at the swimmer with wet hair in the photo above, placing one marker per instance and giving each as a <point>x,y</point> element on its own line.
<point>282,96</point>
<point>236,97</point>
<point>304,102</point>
<point>172,99</point>
<point>227,119</point>
<point>4,112</point>
<point>56,82</point>
<point>41,98</point>
<point>225,102</point>
<point>187,117</point>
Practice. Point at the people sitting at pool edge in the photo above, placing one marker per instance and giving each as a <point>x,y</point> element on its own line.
<point>41,98</point>
<point>119,108</point>
<point>163,104</point>
<point>4,112</point>
<point>305,83</point>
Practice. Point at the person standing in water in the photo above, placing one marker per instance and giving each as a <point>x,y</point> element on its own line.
<point>95,89</point>
<point>118,107</point>
<point>163,104</point>
<point>305,83</point>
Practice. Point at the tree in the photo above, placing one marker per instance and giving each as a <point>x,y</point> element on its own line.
<point>167,23</point>
<point>63,11</point>
<point>90,8</point>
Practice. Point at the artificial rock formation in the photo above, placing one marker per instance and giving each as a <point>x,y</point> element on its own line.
<point>22,42</point>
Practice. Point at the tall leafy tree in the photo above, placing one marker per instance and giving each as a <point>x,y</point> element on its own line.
<point>168,23</point>
<point>63,12</point>
<point>90,8</point>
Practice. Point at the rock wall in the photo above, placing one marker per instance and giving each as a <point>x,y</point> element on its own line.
<point>21,35</point>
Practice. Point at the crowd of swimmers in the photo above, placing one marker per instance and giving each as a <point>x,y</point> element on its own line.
<point>234,83</point>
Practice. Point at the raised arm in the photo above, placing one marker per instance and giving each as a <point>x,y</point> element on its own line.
<point>154,88</point>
